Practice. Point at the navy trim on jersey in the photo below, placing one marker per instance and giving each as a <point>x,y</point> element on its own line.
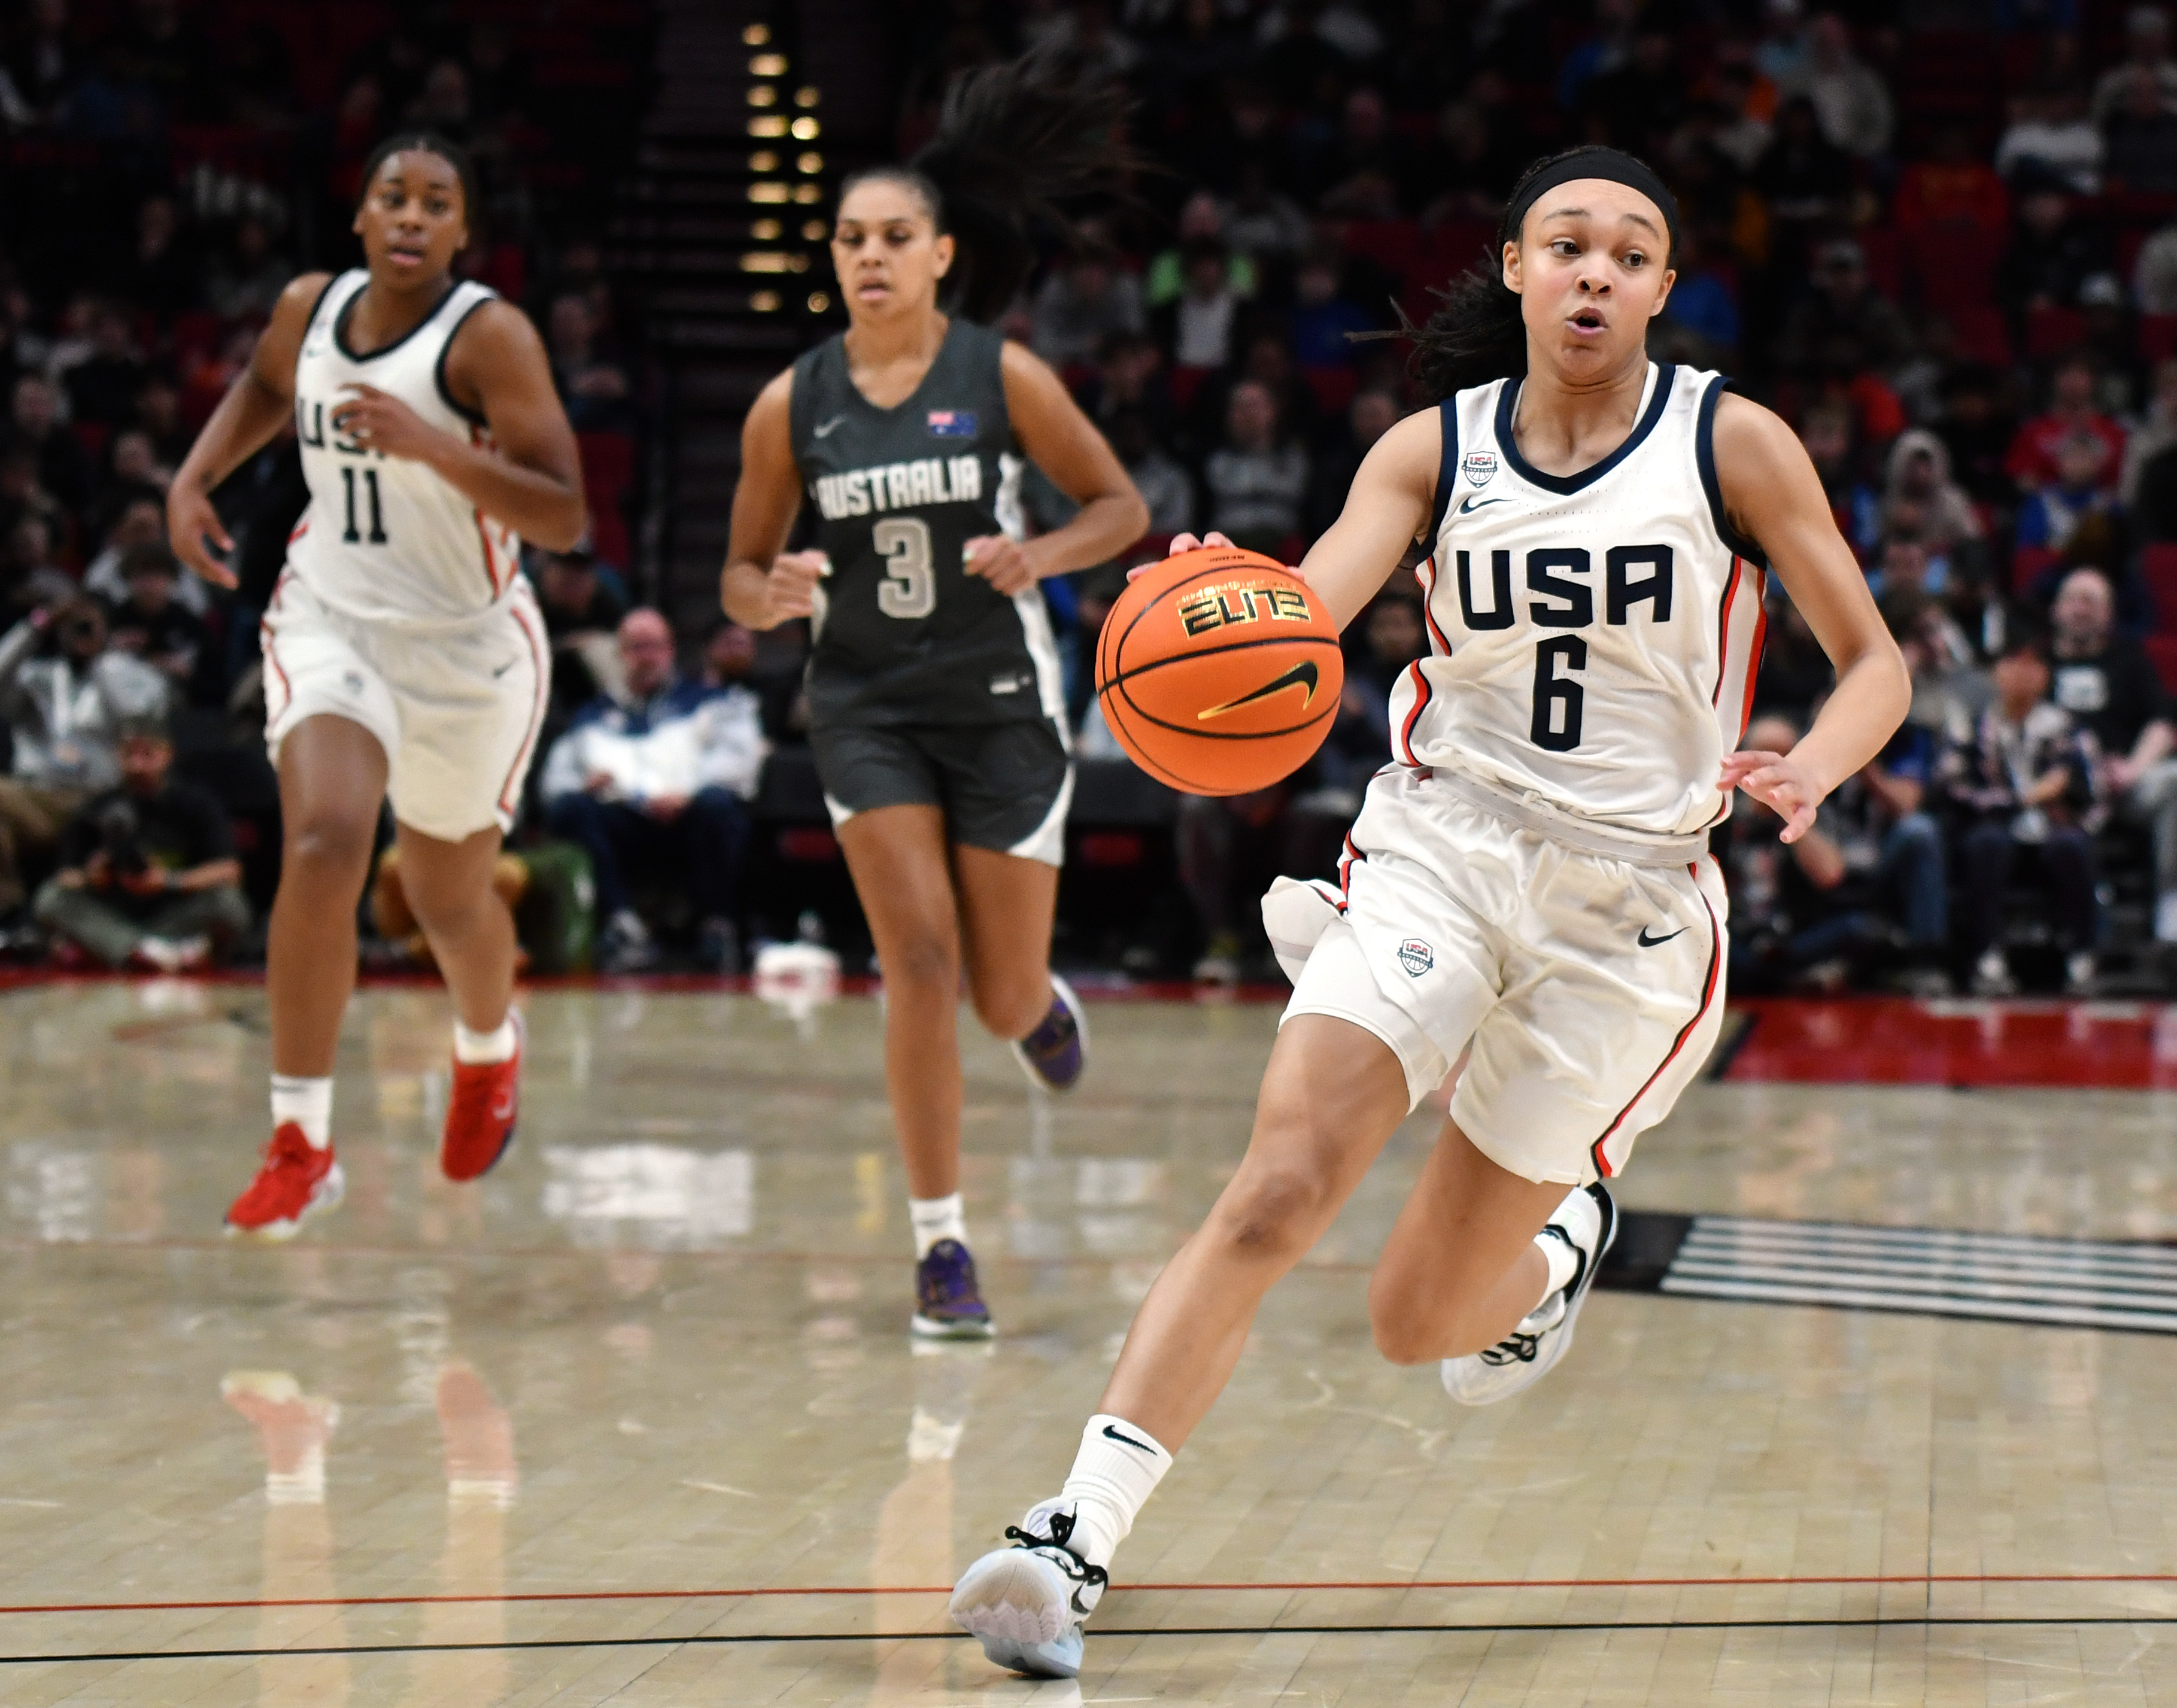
<point>1507,397</point>
<point>1704,455</point>
<point>1447,415</point>
<point>339,322</point>
<point>319,305</point>
<point>474,417</point>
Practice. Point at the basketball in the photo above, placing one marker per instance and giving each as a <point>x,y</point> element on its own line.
<point>1218,671</point>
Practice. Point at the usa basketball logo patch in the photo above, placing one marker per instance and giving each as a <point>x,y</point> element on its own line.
<point>1481,467</point>
<point>1415,957</point>
<point>951,423</point>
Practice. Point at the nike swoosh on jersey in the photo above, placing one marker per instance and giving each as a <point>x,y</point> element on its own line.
<point>1648,942</point>
<point>821,432</point>
<point>1303,675</point>
<point>1473,503</point>
<point>1129,1440</point>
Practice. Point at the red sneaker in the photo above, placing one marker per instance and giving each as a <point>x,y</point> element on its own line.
<point>481,1112</point>
<point>295,1178</point>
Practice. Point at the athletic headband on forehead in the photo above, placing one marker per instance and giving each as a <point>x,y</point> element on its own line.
<point>1612,164</point>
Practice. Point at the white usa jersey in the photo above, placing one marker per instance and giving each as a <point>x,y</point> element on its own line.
<point>1593,636</point>
<point>386,540</point>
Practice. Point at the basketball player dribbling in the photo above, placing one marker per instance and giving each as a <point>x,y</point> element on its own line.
<point>937,709</point>
<point>404,653</point>
<point>1528,880</point>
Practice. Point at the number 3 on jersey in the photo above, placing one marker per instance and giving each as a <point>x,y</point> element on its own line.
<point>376,536</point>
<point>909,588</point>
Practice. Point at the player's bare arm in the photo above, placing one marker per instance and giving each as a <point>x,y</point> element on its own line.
<point>763,585</point>
<point>531,479</point>
<point>1772,495</point>
<point>1065,444</point>
<point>254,409</point>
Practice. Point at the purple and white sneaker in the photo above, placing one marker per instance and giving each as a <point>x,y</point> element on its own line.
<point>948,1304</point>
<point>1055,1053</point>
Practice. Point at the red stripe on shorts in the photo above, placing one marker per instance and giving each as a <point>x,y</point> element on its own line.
<point>536,716</point>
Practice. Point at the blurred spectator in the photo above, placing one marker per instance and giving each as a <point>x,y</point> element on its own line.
<point>2034,457</point>
<point>21,493</point>
<point>32,578</point>
<point>1372,414</point>
<point>66,711</point>
<point>2106,681</point>
<point>1261,221</point>
<point>1129,379</point>
<point>1849,100</point>
<point>41,60</point>
<point>2155,432</point>
<point>1782,52</point>
<point>1844,305</point>
<point>142,522</point>
<point>1358,171</point>
<point>1827,434</point>
<point>2026,784</point>
<point>1200,225</point>
<point>583,604</point>
<point>162,269</point>
<point>1795,670</point>
<point>2154,273</point>
<point>1919,473</point>
<point>2146,53</point>
<point>64,469</point>
<point>595,392</point>
<point>1085,301</point>
<point>152,622</point>
<point>134,474</point>
<point>1255,485</point>
<point>1322,315</point>
<point>1803,176</point>
<point>1164,485</point>
<point>1953,187</point>
<point>652,788</point>
<point>1700,319</point>
<point>2049,130</point>
<point>2074,514</point>
<point>246,277</point>
<point>102,387</point>
<point>1977,430</point>
<point>2052,253</point>
<point>147,875</point>
<point>2140,139</point>
<point>1197,327</point>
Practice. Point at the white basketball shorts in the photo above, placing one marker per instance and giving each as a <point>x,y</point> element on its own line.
<point>457,711</point>
<point>1589,989</point>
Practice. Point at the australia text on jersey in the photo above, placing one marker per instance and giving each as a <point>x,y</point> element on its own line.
<point>899,486</point>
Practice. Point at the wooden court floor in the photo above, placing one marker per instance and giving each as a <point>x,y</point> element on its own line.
<point>636,1420</point>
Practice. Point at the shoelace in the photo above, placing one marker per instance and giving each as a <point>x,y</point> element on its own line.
<point>1514,1348</point>
<point>1077,1570</point>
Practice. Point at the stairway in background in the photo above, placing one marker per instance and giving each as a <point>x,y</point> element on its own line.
<point>720,243</point>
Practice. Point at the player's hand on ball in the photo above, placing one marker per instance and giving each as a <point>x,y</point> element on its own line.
<point>1780,783</point>
<point>378,420</point>
<point>1180,542</point>
<point>191,521</point>
<point>1004,563</point>
<point>790,588</point>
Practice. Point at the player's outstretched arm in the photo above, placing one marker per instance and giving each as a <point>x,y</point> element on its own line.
<point>1772,495</point>
<point>763,585</point>
<point>1386,509</point>
<point>531,479</point>
<point>255,407</point>
<point>1065,444</point>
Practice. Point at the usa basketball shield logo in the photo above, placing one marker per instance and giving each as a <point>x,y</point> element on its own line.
<point>951,423</point>
<point>1415,957</point>
<point>1481,467</point>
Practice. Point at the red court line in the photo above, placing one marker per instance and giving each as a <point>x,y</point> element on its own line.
<point>1921,1580</point>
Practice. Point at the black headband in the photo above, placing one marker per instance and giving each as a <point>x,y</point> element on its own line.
<point>1612,164</point>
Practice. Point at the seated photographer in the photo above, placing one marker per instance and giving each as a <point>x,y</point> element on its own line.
<point>651,787</point>
<point>148,874</point>
<point>63,693</point>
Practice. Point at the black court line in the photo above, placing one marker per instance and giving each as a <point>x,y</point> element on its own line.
<point>746,1639</point>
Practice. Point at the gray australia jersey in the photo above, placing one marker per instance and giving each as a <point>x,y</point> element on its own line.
<point>902,633</point>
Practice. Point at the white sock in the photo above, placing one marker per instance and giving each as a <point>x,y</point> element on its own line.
<point>473,1047</point>
<point>307,1103</point>
<point>1115,1472</point>
<point>1578,1216</point>
<point>936,1220</point>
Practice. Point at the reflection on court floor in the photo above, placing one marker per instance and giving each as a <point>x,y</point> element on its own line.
<point>636,1420</point>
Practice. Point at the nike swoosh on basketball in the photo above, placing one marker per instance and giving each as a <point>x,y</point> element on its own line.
<point>1648,942</point>
<point>1473,503</point>
<point>821,432</point>
<point>1303,675</point>
<point>1129,1440</point>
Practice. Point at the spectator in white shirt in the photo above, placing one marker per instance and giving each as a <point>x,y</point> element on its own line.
<point>2051,126</point>
<point>2147,48</point>
<point>653,787</point>
<point>1849,99</point>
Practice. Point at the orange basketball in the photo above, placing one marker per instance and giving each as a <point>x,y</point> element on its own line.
<point>1218,671</point>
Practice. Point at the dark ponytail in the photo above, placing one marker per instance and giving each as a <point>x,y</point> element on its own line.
<point>1476,334</point>
<point>1013,142</point>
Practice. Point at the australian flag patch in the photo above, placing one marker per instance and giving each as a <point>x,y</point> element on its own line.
<point>951,423</point>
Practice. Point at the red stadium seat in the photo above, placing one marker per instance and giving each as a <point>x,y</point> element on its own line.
<point>1393,244</point>
<point>1185,382</point>
<point>608,472</point>
<point>1333,385</point>
<point>2157,337</point>
<point>2050,331</point>
<point>2162,650</point>
<point>2027,562</point>
<point>1953,265</point>
<point>2157,568</point>
<point>1983,334</point>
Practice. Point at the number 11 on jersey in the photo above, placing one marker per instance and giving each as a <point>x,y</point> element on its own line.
<point>377,534</point>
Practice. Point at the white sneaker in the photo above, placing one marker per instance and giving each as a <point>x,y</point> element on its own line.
<point>1587,1221</point>
<point>1027,1603</point>
<point>1992,976</point>
<point>2079,973</point>
<point>2165,918</point>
